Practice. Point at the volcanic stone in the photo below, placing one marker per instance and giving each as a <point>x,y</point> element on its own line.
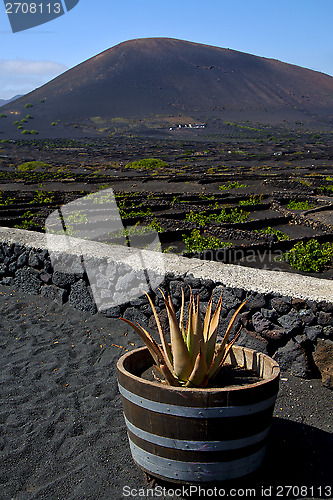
<point>48,267</point>
<point>298,304</point>
<point>194,283</point>
<point>27,281</point>
<point>3,270</point>
<point>22,259</point>
<point>252,341</point>
<point>323,358</point>
<point>216,294</point>
<point>43,255</point>
<point>33,259</point>
<point>313,305</point>
<point>8,249</point>
<point>63,280</point>
<point>18,249</point>
<point>308,317</point>
<point>273,335</point>
<point>313,332</point>
<point>270,314</point>
<point>12,267</point>
<point>45,277</point>
<point>281,305</point>
<point>176,289</point>
<point>146,309</point>
<point>204,294</point>
<point>325,319</point>
<point>255,301</point>
<point>291,357</point>
<point>163,317</point>
<point>111,312</point>
<point>301,339</point>
<point>328,331</point>
<point>140,301</point>
<point>260,323</point>
<point>58,295</point>
<point>8,280</point>
<point>326,306</point>
<point>245,318</point>
<point>229,299</point>
<point>81,298</point>
<point>136,316</point>
<point>290,322</point>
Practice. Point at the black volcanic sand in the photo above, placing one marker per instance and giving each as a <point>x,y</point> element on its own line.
<point>62,432</point>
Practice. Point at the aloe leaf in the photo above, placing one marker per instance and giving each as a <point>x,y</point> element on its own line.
<point>197,332</point>
<point>207,319</point>
<point>182,366</point>
<point>181,318</point>
<point>169,377</point>
<point>229,346</point>
<point>198,323</point>
<point>222,356</point>
<point>199,372</point>
<point>216,318</point>
<point>212,332</point>
<point>189,329</point>
<point>164,342</point>
<point>215,364</point>
<point>151,343</point>
<point>231,324</point>
<point>220,352</point>
<point>172,307</point>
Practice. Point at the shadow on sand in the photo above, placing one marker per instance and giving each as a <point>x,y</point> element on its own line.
<point>297,456</point>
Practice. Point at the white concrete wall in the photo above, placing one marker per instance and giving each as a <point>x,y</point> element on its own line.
<point>263,281</point>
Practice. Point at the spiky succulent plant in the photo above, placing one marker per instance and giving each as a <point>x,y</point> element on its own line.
<point>193,358</point>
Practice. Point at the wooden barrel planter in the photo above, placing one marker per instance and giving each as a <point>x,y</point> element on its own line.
<point>198,435</point>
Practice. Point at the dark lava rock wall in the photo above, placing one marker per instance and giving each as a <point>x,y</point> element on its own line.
<point>293,331</point>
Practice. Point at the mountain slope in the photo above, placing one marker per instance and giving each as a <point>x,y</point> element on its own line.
<point>160,76</point>
<point>6,101</point>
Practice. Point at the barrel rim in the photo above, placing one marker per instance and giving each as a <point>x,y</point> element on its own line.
<point>203,390</point>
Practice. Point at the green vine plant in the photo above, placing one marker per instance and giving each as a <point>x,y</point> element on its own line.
<point>195,242</point>
<point>310,256</point>
<point>27,222</point>
<point>231,185</point>
<point>42,197</point>
<point>327,189</point>
<point>279,234</point>
<point>206,197</point>
<point>214,206</point>
<point>147,164</point>
<point>232,215</point>
<point>134,213</point>
<point>299,205</point>
<point>136,230</point>
<point>253,200</point>
<point>100,199</point>
<point>154,224</point>
<point>7,201</point>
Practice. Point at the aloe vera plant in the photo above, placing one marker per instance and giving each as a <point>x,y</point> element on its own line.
<point>193,358</point>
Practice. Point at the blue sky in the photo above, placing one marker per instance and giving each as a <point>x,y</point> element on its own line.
<point>294,31</point>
